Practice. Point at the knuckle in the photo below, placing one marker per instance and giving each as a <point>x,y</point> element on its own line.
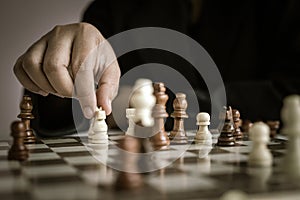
<point>86,26</point>
<point>51,66</point>
<point>57,29</point>
<point>91,31</point>
<point>29,62</point>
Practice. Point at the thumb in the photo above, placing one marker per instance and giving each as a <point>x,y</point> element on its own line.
<point>108,87</point>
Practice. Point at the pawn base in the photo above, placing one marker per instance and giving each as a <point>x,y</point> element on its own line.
<point>20,155</point>
<point>178,137</point>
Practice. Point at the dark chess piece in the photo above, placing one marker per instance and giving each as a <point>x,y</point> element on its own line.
<point>178,134</point>
<point>246,125</point>
<point>26,115</point>
<point>226,137</point>
<point>129,178</point>
<point>160,139</point>
<point>238,134</point>
<point>18,150</point>
<point>274,126</point>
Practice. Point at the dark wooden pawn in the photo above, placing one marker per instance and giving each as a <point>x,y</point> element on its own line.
<point>18,150</point>
<point>160,139</point>
<point>226,137</point>
<point>246,125</point>
<point>274,126</point>
<point>26,115</point>
<point>129,178</point>
<point>178,134</point>
<point>238,134</point>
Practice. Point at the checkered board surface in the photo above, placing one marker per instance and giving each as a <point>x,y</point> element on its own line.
<point>66,168</point>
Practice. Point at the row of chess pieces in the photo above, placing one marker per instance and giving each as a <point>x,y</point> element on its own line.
<point>260,133</point>
<point>146,117</point>
<point>147,113</point>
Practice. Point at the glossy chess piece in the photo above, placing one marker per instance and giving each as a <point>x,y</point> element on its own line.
<point>160,139</point>
<point>18,150</point>
<point>226,137</point>
<point>178,134</point>
<point>238,134</point>
<point>26,115</point>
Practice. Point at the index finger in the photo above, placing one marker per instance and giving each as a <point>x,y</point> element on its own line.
<point>84,87</point>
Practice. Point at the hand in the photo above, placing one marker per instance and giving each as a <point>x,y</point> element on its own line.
<point>67,62</point>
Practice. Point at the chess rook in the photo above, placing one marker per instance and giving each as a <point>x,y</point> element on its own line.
<point>160,138</point>
<point>26,115</point>
<point>238,134</point>
<point>226,137</point>
<point>178,134</point>
<point>18,150</point>
<point>260,155</point>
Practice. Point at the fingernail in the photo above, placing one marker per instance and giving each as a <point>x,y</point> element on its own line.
<point>88,113</point>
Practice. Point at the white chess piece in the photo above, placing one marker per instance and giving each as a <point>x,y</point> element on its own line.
<point>130,114</point>
<point>98,129</point>
<point>143,101</point>
<point>234,195</point>
<point>259,178</point>
<point>203,135</point>
<point>290,116</point>
<point>260,155</point>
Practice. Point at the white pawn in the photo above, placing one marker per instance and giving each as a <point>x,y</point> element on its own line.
<point>260,155</point>
<point>290,115</point>
<point>203,135</point>
<point>143,101</point>
<point>234,195</point>
<point>130,114</point>
<point>98,129</point>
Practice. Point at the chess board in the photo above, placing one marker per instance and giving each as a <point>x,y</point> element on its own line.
<point>66,168</point>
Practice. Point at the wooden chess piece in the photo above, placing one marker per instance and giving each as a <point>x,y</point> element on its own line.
<point>160,139</point>
<point>246,125</point>
<point>274,126</point>
<point>226,137</point>
<point>18,150</point>
<point>178,134</point>
<point>129,178</point>
<point>26,115</point>
<point>238,134</point>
